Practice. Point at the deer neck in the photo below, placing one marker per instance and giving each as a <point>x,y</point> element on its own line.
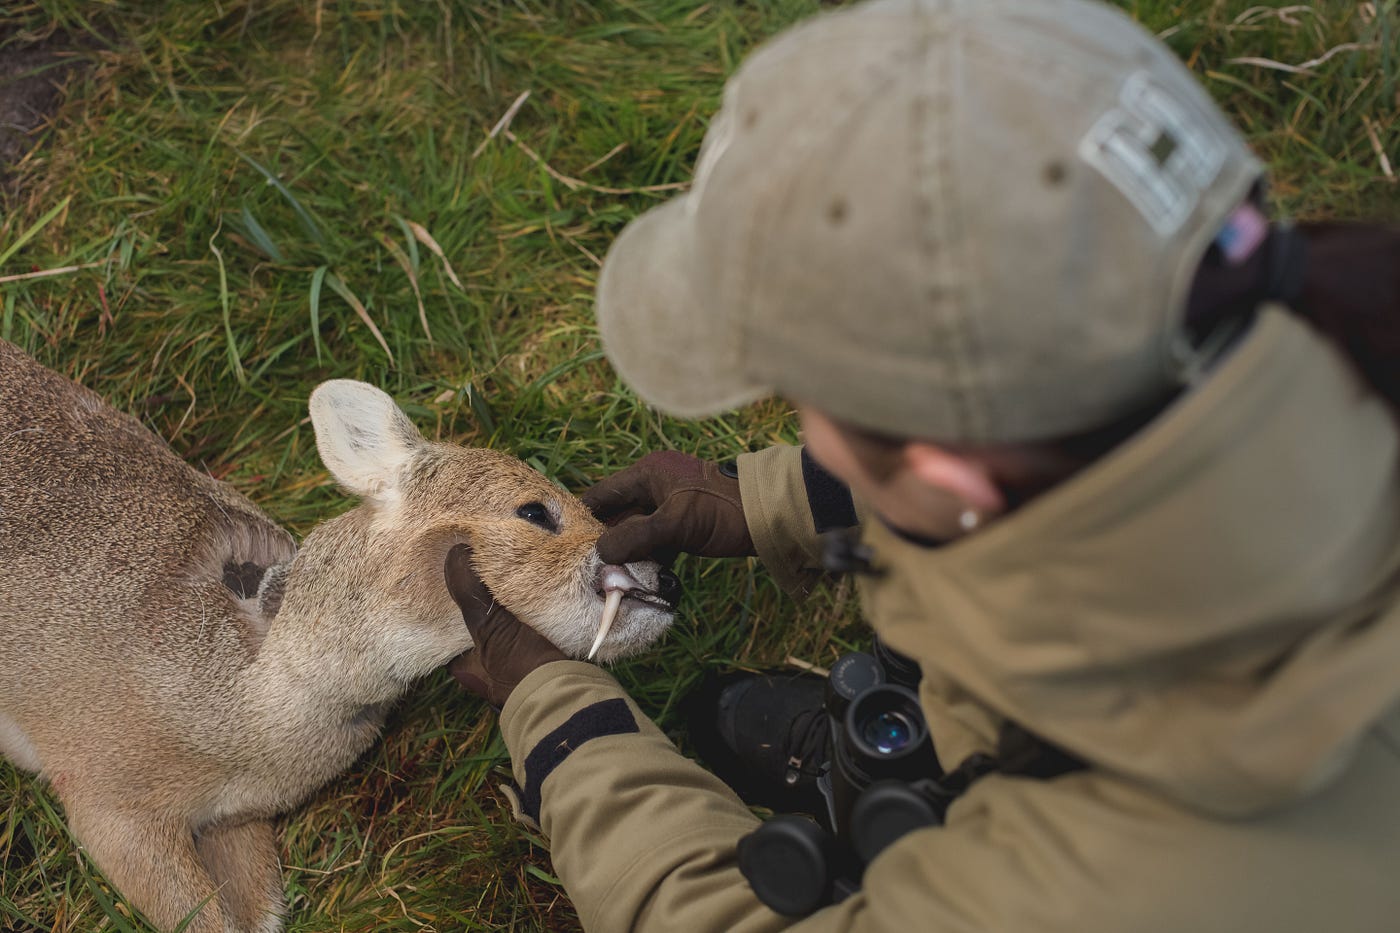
<point>323,637</point>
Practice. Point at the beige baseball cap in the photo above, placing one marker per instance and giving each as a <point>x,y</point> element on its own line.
<point>963,220</point>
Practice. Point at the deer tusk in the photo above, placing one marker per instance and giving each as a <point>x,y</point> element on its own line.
<point>614,600</point>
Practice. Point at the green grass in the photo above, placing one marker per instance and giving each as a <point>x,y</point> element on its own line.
<point>241,182</point>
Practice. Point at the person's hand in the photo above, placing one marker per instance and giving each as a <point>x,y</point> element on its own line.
<point>666,503</point>
<point>505,649</point>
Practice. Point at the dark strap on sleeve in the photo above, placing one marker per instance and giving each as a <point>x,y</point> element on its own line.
<point>608,717</point>
<point>829,499</point>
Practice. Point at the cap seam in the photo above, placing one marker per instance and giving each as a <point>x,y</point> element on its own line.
<point>939,222</point>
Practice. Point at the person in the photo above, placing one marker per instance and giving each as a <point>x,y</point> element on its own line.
<point>1122,455</point>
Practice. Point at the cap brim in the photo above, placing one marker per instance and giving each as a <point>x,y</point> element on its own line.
<point>675,352</point>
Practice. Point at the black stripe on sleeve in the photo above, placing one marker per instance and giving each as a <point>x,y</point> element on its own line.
<point>608,717</point>
<point>828,497</point>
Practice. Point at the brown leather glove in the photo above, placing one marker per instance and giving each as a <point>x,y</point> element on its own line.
<point>667,503</point>
<point>505,649</point>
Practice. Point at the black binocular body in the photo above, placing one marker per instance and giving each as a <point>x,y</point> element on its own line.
<point>882,781</point>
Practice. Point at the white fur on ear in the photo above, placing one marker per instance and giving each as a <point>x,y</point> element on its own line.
<point>363,437</point>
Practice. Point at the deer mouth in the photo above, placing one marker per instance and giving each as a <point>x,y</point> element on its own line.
<point>649,599</point>
<point>645,597</point>
<point>615,578</point>
<point>617,584</point>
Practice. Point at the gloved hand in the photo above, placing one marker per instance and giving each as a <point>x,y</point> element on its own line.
<point>666,503</point>
<point>505,649</point>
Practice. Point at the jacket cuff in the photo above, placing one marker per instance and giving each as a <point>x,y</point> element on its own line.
<point>557,708</point>
<point>830,501</point>
<point>774,495</point>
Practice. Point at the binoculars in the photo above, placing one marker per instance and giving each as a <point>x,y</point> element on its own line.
<point>880,783</point>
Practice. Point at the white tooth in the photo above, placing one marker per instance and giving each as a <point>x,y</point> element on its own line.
<point>609,613</point>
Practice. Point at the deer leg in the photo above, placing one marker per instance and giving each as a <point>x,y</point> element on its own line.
<point>242,860</point>
<point>150,858</point>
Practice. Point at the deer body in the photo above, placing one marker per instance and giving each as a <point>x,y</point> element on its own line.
<point>181,673</point>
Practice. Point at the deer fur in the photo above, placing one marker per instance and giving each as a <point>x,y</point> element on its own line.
<point>180,672</point>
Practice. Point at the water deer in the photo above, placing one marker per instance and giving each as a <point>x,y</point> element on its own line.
<point>180,672</point>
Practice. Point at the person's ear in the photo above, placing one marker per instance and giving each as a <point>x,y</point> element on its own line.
<point>965,478</point>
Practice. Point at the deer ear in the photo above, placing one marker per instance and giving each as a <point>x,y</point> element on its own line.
<point>363,437</point>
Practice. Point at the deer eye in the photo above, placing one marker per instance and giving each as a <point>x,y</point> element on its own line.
<point>536,514</point>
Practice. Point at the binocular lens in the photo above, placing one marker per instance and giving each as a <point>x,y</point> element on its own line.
<point>888,732</point>
<point>884,727</point>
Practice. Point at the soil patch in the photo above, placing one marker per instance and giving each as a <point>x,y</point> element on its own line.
<point>32,78</point>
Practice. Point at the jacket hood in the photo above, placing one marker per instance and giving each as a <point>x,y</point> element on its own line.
<point>1212,609</point>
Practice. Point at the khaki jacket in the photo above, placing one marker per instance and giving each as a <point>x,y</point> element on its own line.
<point>1210,617</point>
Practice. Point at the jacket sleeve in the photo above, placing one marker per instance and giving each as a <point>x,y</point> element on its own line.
<point>789,502</point>
<point>645,840</point>
<point>642,837</point>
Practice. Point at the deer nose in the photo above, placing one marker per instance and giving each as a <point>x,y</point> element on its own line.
<point>668,586</point>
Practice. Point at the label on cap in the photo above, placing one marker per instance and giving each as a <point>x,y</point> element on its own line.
<point>1157,150</point>
<point>1242,234</point>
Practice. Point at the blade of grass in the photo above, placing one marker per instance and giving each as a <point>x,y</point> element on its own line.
<point>232,344</point>
<point>410,242</point>
<point>426,238</point>
<point>318,278</point>
<point>34,229</point>
<point>48,273</point>
<point>411,271</point>
<point>308,222</point>
<point>259,236</point>
<point>7,322</point>
<point>340,288</point>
